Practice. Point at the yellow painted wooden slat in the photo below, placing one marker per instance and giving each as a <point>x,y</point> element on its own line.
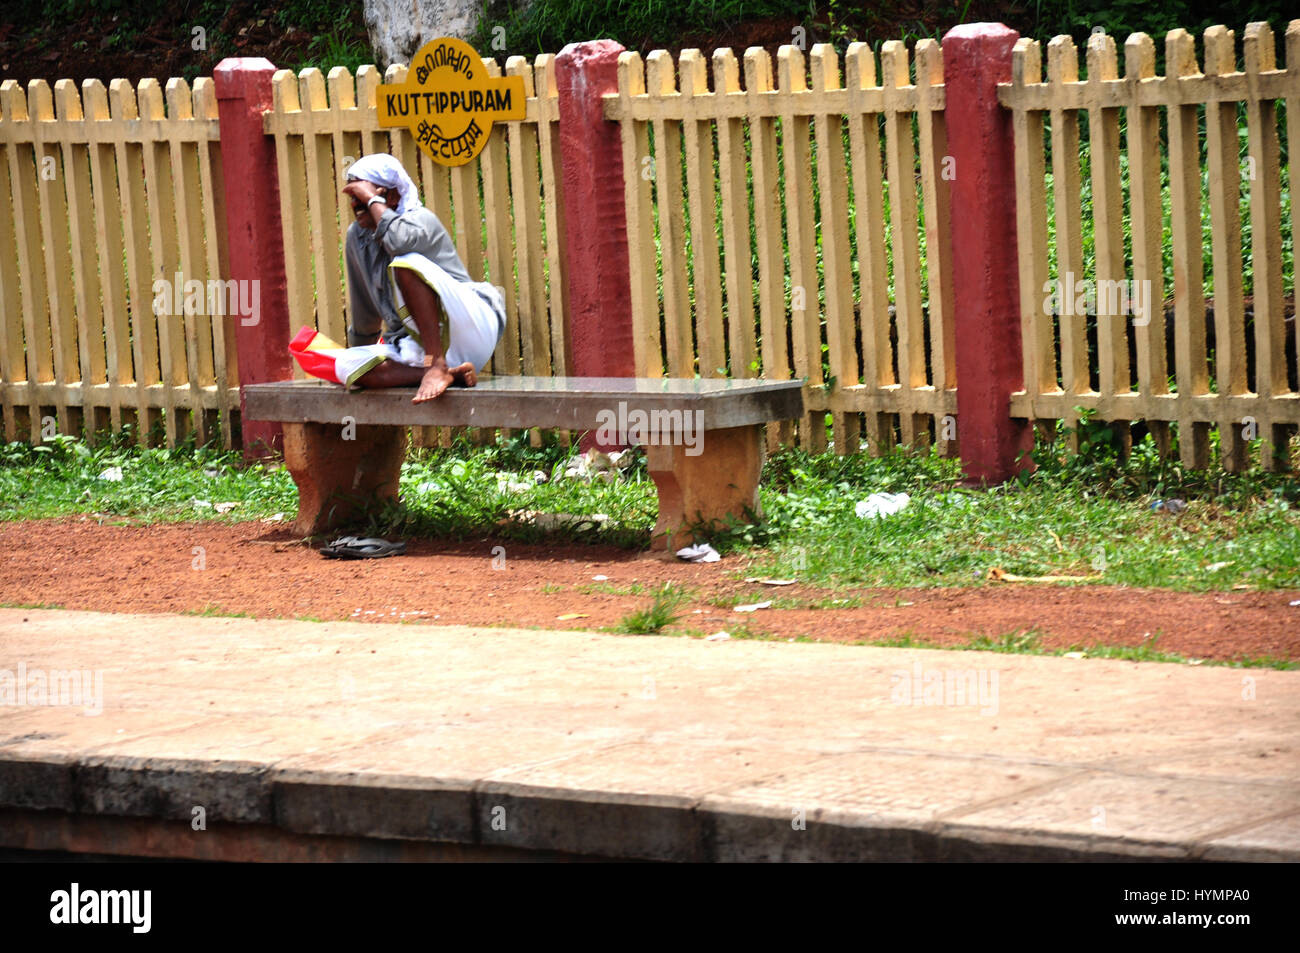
<point>1185,223</point>
<point>1264,183</point>
<point>772,300</point>
<point>85,267</point>
<point>548,145</point>
<point>667,165</point>
<point>31,260</point>
<point>61,302</point>
<point>635,140</point>
<point>164,254</point>
<point>318,152</point>
<point>832,181</point>
<point>108,215</point>
<point>468,213</point>
<point>701,200</point>
<point>1108,225</point>
<point>1031,226</point>
<point>496,212</point>
<point>1221,149</point>
<point>801,238</point>
<point>530,327</point>
<point>908,317</point>
<point>135,228</point>
<point>870,231</point>
<point>197,323</point>
<point>225,371</point>
<point>11,317</point>
<point>291,164</point>
<point>1147,230</point>
<point>935,174</point>
<point>1062,68</point>
<point>732,168</point>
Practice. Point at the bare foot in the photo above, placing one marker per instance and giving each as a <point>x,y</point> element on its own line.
<point>465,375</point>
<point>436,380</point>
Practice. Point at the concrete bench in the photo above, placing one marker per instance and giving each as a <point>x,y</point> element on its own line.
<point>703,438</point>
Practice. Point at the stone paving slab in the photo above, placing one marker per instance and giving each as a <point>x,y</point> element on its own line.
<point>646,747</point>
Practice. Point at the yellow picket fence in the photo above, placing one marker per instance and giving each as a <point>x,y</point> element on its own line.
<point>504,209</point>
<point>1243,390</point>
<point>849,177</point>
<point>106,193</point>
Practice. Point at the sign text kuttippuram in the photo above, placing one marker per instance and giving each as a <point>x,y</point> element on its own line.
<point>449,102</point>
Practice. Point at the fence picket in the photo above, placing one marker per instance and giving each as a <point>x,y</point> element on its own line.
<point>1264,182</point>
<point>832,181</point>
<point>732,167</point>
<point>111,251</point>
<point>88,319</point>
<point>870,230</point>
<point>1225,243</point>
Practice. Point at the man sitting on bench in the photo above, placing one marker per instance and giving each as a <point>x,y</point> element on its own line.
<point>405,280</point>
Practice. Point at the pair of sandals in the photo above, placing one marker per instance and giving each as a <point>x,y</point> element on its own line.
<point>352,547</point>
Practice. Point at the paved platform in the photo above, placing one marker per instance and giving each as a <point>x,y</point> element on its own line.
<point>298,740</point>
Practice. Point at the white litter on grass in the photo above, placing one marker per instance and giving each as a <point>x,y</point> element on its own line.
<point>506,483</point>
<point>112,475</point>
<point>699,553</point>
<point>754,606</point>
<point>1215,567</point>
<point>427,487</point>
<point>881,504</point>
<point>225,507</point>
<point>202,505</point>
<point>274,518</point>
<point>718,637</point>
<point>960,501</point>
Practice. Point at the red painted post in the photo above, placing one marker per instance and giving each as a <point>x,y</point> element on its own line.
<point>599,289</point>
<point>986,286</point>
<point>255,239</point>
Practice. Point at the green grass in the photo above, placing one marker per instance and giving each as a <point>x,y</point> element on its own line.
<point>1029,642</point>
<point>1078,515</point>
<point>662,611</point>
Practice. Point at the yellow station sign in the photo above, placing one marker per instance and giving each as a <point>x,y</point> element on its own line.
<point>449,102</point>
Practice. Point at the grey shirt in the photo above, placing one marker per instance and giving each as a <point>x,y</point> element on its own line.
<point>367,253</point>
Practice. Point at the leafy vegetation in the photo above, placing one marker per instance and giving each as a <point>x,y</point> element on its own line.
<point>662,611</point>
<point>1086,515</point>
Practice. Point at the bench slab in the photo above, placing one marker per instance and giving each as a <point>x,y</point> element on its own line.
<point>345,449</point>
<point>565,403</point>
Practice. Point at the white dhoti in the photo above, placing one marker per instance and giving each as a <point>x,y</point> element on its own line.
<point>472,322</point>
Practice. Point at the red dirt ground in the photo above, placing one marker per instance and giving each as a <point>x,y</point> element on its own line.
<point>258,569</point>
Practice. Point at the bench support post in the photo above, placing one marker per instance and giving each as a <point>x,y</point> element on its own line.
<point>719,481</point>
<point>337,478</point>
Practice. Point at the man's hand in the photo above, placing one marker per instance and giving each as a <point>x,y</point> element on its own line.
<point>361,190</point>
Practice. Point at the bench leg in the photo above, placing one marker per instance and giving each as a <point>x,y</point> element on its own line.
<point>338,479</point>
<point>721,481</point>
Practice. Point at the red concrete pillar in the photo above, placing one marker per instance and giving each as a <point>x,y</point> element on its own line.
<point>986,287</point>
<point>255,239</point>
<point>596,278</point>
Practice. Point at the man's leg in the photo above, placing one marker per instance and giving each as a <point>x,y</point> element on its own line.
<point>424,306</point>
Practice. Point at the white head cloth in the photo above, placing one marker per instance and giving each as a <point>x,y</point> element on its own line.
<point>386,172</point>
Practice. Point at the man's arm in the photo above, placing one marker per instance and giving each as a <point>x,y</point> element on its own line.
<point>365,321</point>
